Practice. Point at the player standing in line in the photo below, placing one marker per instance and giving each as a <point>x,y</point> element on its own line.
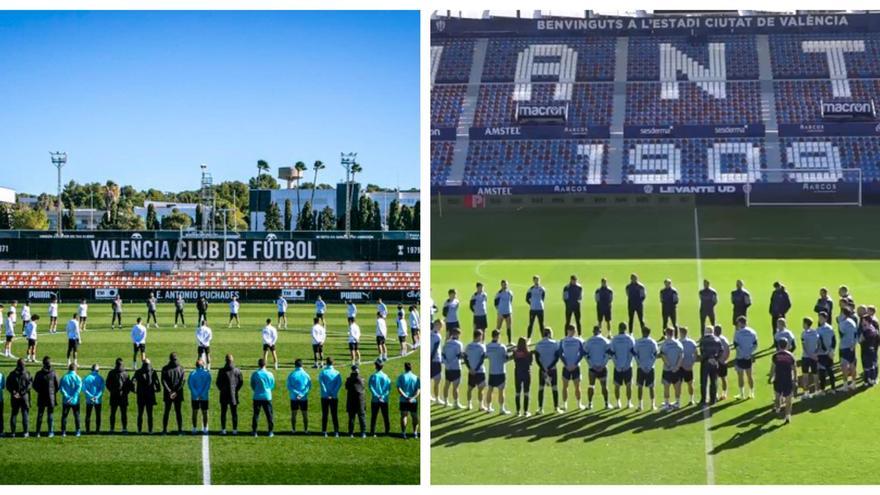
<point>522,375</point>
<point>708,301</point>
<point>497,354</point>
<point>844,294</point>
<point>350,309</point>
<point>269,335</point>
<point>356,401</point>
<point>504,307</point>
<point>827,345</point>
<point>671,352</point>
<point>780,303</point>
<point>229,382</point>
<point>645,350</point>
<point>70,387</point>
<point>281,304</point>
<point>722,360</point>
<point>14,318</point>
<point>119,385</point>
<point>381,337</point>
<point>202,308</point>
<point>173,381</point>
<point>93,389</point>
<point>138,342</point>
<point>74,339</point>
<point>147,385</point>
<point>262,385</point>
<point>781,333</point>
<point>622,348</point>
<point>25,316</point>
<point>453,350</point>
<point>745,342</point>
<point>710,351</point>
<point>116,315</point>
<point>151,310</point>
<point>668,305</point>
<point>741,300</point>
<point>83,313</point>
<point>784,382</point>
<point>234,306</point>
<point>380,390</point>
<point>414,327</point>
<point>354,341</point>
<point>809,358</point>
<point>436,361</point>
<point>319,336</point>
<point>330,381</point>
<point>571,350</point>
<point>824,303</point>
<point>179,304</point>
<point>635,301</point>
<point>688,359</point>
<point>869,341</point>
<point>401,329</point>
<point>9,326</point>
<point>478,305</point>
<point>848,329</point>
<point>320,309</point>
<point>46,387</point>
<point>381,308</point>
<point>450,312</point>
<point>598,351</point>
<point>535,299</point>
<point>604,299</point>
<point>204,335</point>
<point>30,333</point>
<point>199,390</point>
<point>475,357</point>
<point>2,388</point>
<point>547,354</point>
<point>53,314</point>
<point>572,296</point>
<point>299,384</point>
<point>409,387</point>
<point>19,384</point>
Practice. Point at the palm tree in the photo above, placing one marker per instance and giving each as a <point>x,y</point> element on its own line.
<point>300,168</point>
<point>262,166</point>
<point>355,169</point>
<point>318,166</point>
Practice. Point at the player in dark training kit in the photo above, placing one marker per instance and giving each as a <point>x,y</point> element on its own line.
<point>710,352</point>
<point>784,379</point>
<point>604,298</point>
<point>780,303</point>
<point>635,301</point>
<point>741,300</point>
<point>708,301</point>
<point>572,294</point>
<point>668,304</point>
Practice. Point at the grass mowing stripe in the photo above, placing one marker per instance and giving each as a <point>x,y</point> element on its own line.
<point>707,413</point>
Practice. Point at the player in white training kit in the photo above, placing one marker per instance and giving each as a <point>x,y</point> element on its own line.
<point>83,312</point>
<point>269,335</point>
<point>204,335</point>
<point>138,342</point>
<point>234,307</point>
<point>381,337</point>
<point>319,336</point>
<point>354,341</point>
<point>74,339</point>
<point>53,315</point>
<point>401,329</point>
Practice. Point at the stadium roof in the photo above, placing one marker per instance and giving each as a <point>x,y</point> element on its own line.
<point>580,14</point>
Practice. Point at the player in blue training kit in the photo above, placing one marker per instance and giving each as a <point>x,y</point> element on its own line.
<point>622,350</point>
<point>745,342</point>
<point>597,350</point>
<point>688,359</point>
<point>453,351</point>
<point>436,361</point>
<point>809,358</point>
<point>547,354</point>
<point>474,358</point>
<point>827,345</point>
<point>848,328</point>
<point>535,299</point>
<point>646,352</point>
<point>671,351</point>
<point>571,350</point>
<point>498,355</point>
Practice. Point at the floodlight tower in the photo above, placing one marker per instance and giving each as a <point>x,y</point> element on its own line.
<point>206,200</point>
<point>59,159</point>
<point>347,160</point>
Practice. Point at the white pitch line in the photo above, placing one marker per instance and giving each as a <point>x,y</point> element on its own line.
<point>206,460</point>
<point>707,414</point>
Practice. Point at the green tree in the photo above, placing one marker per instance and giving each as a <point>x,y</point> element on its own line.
<point>375,217</point>
<point>417,217</point>
<point>262,167</point>
<point>68,219</point>
<point>273,217</point>
<point>264,181</point>
<point>288,214</point>
<point>199,215</point>
<point>152,222</point>
<point>326,220</point>
<point>393,219</point>
<point>5,220</point>
<point>176,220</point>
<point>406,218</point>
<point>306,219</point>
<point>300,168</point>
<point>25,218</point>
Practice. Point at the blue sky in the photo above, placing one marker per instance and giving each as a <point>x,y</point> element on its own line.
<point>144,97</point>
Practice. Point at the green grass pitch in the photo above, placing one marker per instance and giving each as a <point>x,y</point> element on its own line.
<point>172,459</point>
<point>743,442</point>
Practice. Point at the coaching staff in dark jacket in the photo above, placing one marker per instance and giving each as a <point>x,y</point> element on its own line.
<point>668,304</point>
<point>741,300</point>
<point>119,385</point>
<point>572,294</point>
<point>635,301</point>
<point>708,301</point>
<point>46,387</point>
<point>18,384</point>
<point>780,303</point>
<point>710,349</point>
<point>172,392</point>
<point>604,298</point>
<point>229,382</point>
<point>355,401</point>
<point>147,385</point>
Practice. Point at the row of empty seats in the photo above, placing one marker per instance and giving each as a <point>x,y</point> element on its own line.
<point>536,162</point>
<point>693,161</point>
<point>590,104</point>
<point>738,53</point>
<point>731,103</point>
<point>385,280</point>
<point>800,102</point>
<point>441,160</point>
<point>587,59</point>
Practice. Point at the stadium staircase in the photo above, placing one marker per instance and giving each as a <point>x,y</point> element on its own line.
<point>344,281</point>
<point>618,112</point>
<point>468,110</point>
<point>768,108</point>
<point>64,280</point>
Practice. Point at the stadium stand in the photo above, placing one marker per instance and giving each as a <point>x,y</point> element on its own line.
<point>800,56</point>
<point>594,59</point>
<point>453,61</point>
<point>693,161</point>
<point>799,101</point>
<point>446,105</point>
<point>835,152</point>
<point>693,106</point>
<point>590,104</point>
<point>739,52</point>
<point>441,157</point>
<point>536,162</point>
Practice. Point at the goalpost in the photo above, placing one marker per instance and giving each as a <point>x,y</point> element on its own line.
<point>805,187</point>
